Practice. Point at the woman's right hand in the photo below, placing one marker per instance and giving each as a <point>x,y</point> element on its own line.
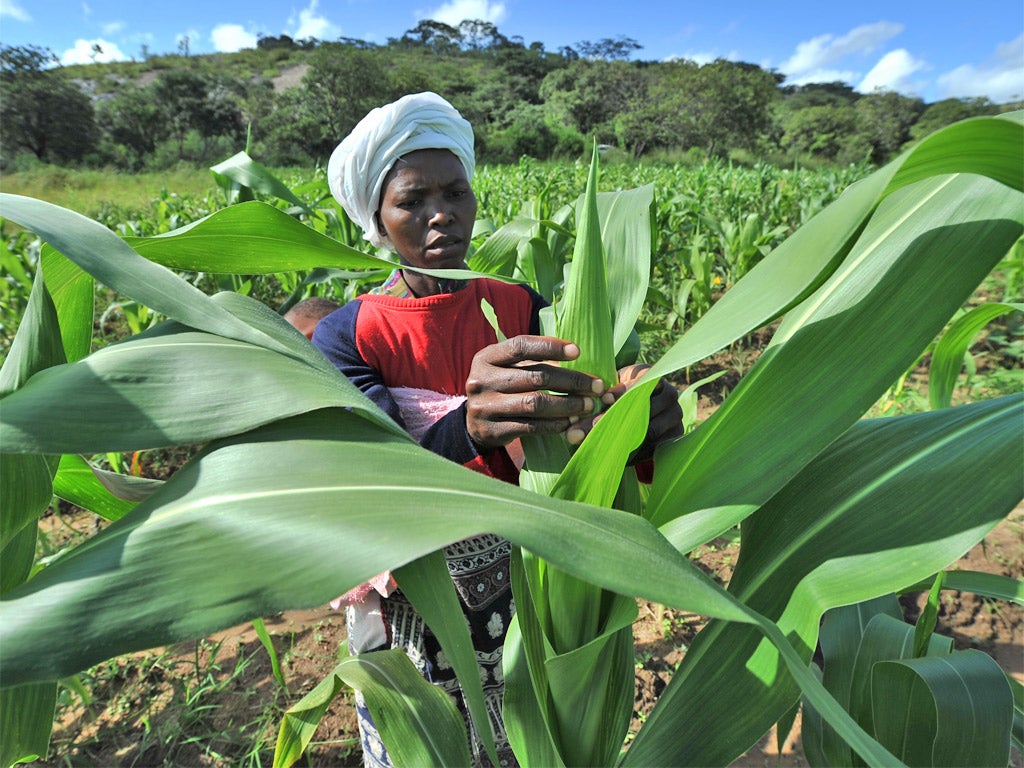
<point>516,388</point>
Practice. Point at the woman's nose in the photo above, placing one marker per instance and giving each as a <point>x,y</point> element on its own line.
<point>441,216</point>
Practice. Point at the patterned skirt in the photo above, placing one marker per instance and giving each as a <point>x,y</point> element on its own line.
<point>479,567</point>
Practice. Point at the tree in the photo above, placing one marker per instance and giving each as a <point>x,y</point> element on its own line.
<point>342,84</point>
<point>717,106</point>
<point>949,111</point>
<point>609,49</point>
<point>436,35</point>
<point>589,95</point>
<point>825,132</point>
<point>269,42</point>
<point>192,100</point>
<point>41,109</point>
<point>835,93</point>
<point>524,70</point>
<point>885,119</point>
<point>479,35</point>
<point>134,124</point>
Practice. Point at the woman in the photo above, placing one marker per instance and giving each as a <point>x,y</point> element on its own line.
<point>420,347</point>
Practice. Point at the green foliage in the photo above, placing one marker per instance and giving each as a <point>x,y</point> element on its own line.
<point>521,99</point>
<point>885,119</point>
<point>41,109</point>
<point>914,697</point>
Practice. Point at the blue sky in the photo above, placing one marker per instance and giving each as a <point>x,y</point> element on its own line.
<point>929,48</point>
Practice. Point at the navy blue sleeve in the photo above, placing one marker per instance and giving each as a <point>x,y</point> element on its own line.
<point>539,302</point>
<point>335,336</point>
<point>449,437</point>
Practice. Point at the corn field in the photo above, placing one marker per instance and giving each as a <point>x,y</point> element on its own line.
<point>856,273</point>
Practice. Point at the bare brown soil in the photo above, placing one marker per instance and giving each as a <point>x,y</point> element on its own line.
<point>139,716</point>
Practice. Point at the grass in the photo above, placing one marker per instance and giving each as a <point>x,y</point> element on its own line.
<point>168,704</point>
<point>89,192</point>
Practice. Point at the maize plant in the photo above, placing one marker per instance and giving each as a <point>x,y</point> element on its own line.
<point>286,504</point>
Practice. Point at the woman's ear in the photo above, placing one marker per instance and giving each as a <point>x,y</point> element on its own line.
<point>380,225</point>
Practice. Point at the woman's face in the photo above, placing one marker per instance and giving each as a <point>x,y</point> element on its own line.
<point>427,209</point>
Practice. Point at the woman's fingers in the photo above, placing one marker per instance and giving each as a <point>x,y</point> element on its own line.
<point>516,387</point>
<point>521,364</point>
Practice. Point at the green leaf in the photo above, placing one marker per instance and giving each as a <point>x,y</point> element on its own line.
<point>251,238</point>
<point>944,710</point>
<point>885,638</point>
<point>948,357</point>
<point>301,720</point>
<point>585,314</point>
<point>626,237</point>
<point>428,585</point>
<point>417,721</point>
<point>987,146</point>
<point>26,489</point>
<point>985,584</point>
<point>857,522</point>
<point>141,393</point>
<point>525,724</point>
<point>37,343</point>
<point>593,709</point>
<point>110,260</point>
<point>1017,731</point>
<point>72,292</point>
<point>268,644</point>
<point>926,621</point>
<point>595,470</point>
<point>77,481</point>
<point>927,246</point>
<point>243,171</point>
<point>841,632</point>
<point>257,521</point>
<point>26,481</point>
<point>265,494</point>
<point>26,716</point>
<point>498,252</point>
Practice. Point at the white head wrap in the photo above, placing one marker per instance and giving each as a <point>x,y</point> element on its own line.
<point>359,164</point>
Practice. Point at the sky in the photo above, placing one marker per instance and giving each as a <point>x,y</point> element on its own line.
<point>932,49</point>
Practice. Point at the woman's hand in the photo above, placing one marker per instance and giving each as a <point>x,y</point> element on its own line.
<point>666,420</point>
<point>516,388</point>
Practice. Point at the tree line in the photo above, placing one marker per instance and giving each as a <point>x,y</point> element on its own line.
<point>521,99</point>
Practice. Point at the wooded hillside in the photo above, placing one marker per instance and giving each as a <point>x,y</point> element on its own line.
<point>294,99</point>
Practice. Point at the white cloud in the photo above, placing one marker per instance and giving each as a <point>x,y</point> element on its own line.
<point>228,38</point>
<point>84,52</point>
<point>12,9</point>
<point>311,24</point>
<point>704,57</point>
<point>823,52</point>
<point>823,76</point>
<point>113,27</point>
<point>454,12</point>
<point>893,73</point>
<point>1000,77</point>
